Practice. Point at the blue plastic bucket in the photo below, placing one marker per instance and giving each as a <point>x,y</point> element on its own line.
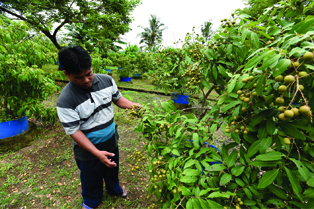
<point>125,79</point>
<point>180,99</point>
<point>109,71</point>
<point>13,127</point>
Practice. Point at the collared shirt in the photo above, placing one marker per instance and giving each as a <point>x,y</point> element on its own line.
<point>90,110</point>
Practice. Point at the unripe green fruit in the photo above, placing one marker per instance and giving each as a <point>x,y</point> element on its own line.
<point>155,186</point>
<point>281,108</point>
<point>247,94</point>
<point>302,73</point>
<point>295,111</point>
<point>301,87</point>
<point>254,94</point>
<point>236,131</point>
<point>305,110</point>
<point>296,64</point>
<point>254,86</point>
<point>227,127</point>
<point>244,109</point>
<point>308,55</point>
<point>227,130</point>
<point>289,113</point>
<point>279,78</point>
<point>245,132</point>
<point>246,100</point>
<point>280,100</point>
<point>282,88</point>
<point>289,79</point>
<point>247,129</point>
<point>242,98</point>
<point>245,80</point>
<point>282,116</point>
<point>290,66</point>
<point>242,127</point>
<point>174,191</point>
<point>239,92</point>
<point>286,141</point>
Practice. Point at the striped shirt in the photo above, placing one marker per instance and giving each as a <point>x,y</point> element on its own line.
<point>91,110</point>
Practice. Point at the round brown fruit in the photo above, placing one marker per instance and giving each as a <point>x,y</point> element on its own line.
<point>279,78</point>
<point>286,141</point>
<point>282,88</point>
<point>282,116</point>
<point>305,110</point>
<point>301,87</point>
<point>295,111</point>
<point>302,73</point>
<point>280,100</point>
<point>289,113</point>
<point>289,79</point>
<point>281,108</point>
<point>308,55</point>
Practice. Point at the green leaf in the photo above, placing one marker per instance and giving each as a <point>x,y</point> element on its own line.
<point>213,204</point>
<point>291,130</point>
<point>231,159</point>
<point>216,167</point>
<point>270,62</point>
<point>230,105</point>
<point>175,152</point>
<point>254,61</point>
<point>270,156</point>
<point>270,126</point>
<point>303,26</point>
<point>265,144</point>
<point>178,133</point>
<point>248,193</point>
<point>309,193</point>
<point>249,202</point>
<point>237,170</point>
<point>310,182</point>
<point>253,149</point>
<point>191,172</point>
<point>196,141</point>
<point>260,87</point>
<point>188,179</point>
<point>254,39</point>
<point>265,163</point>
<point>267,178</point>
<point>305,173</point>
<point>189,204</point>
<point>220,194</point>
<point>232,83</point>
<point>281,67</point>
<point>259,118</point>
<point>310,67</point>
<point>277,191</point>
<point>185,191</point>
<point>294,183</point>
<point>3,49</point>
<point>239,182</point>
<point>225,179</point>
<point>235,137</point>
<point>206,84</point>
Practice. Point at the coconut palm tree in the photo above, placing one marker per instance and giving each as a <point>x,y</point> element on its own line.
<point>152,35</point>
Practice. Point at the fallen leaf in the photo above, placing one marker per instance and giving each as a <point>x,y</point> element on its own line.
<point>59,183</point>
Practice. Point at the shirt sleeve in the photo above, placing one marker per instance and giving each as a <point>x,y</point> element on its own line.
<point>116,95</point>
<point>70,120</point>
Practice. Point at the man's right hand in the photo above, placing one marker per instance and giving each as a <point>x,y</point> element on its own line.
<point>103,157</point>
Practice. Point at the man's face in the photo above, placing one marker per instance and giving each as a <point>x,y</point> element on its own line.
<point>83,80</point>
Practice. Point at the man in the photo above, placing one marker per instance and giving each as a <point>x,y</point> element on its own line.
<point>85,110</point>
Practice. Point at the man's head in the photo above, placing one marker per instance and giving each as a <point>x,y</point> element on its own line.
<point>77,65</point>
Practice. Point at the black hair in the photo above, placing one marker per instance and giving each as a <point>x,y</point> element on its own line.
<point>74,59</point>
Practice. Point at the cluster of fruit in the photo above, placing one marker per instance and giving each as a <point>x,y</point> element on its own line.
<point>160,174</point>
<point>165,125</point>
<point>227,22</point>
<point>239,127</point>
<point>139,158</point>
<point>134,112</point>
<point>196,77</point>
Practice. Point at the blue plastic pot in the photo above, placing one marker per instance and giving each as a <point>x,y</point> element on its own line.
<point>137,75</point>
<point>180,99</point>
<point>125,79</point>
<point>109,71</point>
<point>13,127</point>
<point>120,68</point>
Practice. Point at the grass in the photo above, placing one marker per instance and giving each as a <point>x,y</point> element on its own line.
<point>44,174</point>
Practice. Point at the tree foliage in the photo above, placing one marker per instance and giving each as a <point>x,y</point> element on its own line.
<point>103,18</point>
<point>152,35</point>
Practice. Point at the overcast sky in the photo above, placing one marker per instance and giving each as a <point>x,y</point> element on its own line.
<point>180,16</point>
